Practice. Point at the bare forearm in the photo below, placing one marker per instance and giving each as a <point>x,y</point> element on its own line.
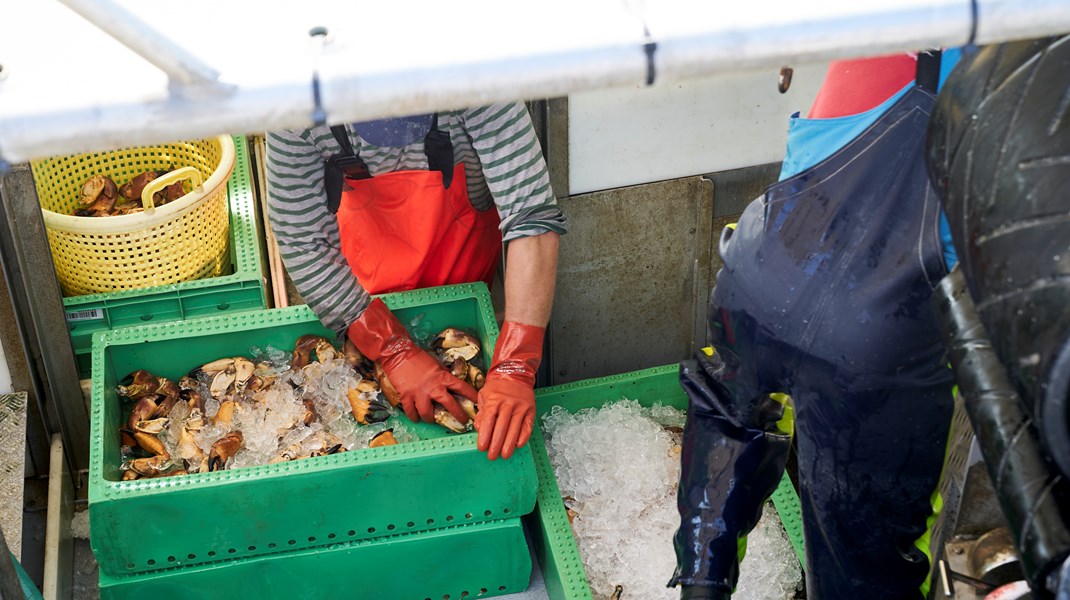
<point>530,275</point>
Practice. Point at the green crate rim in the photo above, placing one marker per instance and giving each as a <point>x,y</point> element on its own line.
<point>243,321</point>
<point>562,552</point>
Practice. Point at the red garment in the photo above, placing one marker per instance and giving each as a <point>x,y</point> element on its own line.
<point>404,230</point>
<point>854,86</point>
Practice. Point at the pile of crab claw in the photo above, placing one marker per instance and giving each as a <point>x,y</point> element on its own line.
<point>298,410</point>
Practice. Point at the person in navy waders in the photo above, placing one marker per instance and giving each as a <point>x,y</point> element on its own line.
<point>825,298</point>
<point>416,202</point>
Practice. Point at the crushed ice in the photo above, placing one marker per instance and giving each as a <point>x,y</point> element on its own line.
<point>618,468</point>
<point>271,421</point>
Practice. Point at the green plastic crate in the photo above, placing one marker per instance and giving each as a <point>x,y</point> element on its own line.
<point>471,561</point>
<point>551,534</point>
<point>439,481</point>
<point>242,289</point>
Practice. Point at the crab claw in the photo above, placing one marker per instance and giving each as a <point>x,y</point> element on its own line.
<point>467,406</point>
<point>367,411</point>
<point>154,427</point>
<point>138,384</point>
<point>475,377</point>
<point>304,347</point>
<point>170,392</point>
<point>454,344</point>
<point>446,419</point>
<point>193,398</point>
<point>389,391</point>
<point>357,360</point>
<point>224,448</point>
<point>150,467</point>
<point>148,442</point>
<point>310,412</point>
<point>143,410</point>
<point>221,383</point>
<point>459,368</point>
<point>225,415</point>
<point>383,438</point>
<point>243,370</point>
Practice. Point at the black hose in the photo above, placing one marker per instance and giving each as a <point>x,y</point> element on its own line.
<point>1029,489</point>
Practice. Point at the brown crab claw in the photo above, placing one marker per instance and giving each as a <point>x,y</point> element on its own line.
<point>455,343</point>
<point>305,345</point>
<point>143,410</point>
<point>310,412</point>
<point>193,398</point>
<point>383,438</point>
<point>459,368</point>
<point>153,427</point>
<point>365,386</point>
<point>137,384</point>
<point>167,395</point>
<point>356,359</point>
<point>97,187</point>
<point>367,411</point>
<point>225,415</point>
<point>467,406</point>
<point>475,377</point>
<point>147,442</point>
<point>150,467</point>
<point>132,189</point>
<point>446,419</point>
<point>243,370</point>
<point>389,391</point>
<point>224,448</point>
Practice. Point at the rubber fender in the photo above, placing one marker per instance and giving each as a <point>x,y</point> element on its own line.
<point>998,153</point>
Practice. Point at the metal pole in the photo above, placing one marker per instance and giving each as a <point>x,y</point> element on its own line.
<point>31,277</point>
<point>182,68</point>
<point>600,45</point>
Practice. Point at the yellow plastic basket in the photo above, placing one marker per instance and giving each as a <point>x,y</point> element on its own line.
<point>182,240</point>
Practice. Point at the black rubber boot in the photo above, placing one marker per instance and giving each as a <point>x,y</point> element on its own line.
<point>702,592</point>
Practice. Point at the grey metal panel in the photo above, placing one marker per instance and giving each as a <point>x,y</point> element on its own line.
<point>633,276</point>
<point>27,262</point>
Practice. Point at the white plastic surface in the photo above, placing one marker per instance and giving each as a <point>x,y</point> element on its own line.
<point>628,136</point>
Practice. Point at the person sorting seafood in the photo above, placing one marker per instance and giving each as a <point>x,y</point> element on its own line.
<point>825,297</point>
<point>421,201</point>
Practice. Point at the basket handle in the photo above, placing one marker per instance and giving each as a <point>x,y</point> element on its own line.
<point>167,179</point>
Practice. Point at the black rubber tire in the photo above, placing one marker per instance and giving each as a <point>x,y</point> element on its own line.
<point>999,154</point>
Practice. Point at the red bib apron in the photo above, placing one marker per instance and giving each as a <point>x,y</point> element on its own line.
<point>404,230</point>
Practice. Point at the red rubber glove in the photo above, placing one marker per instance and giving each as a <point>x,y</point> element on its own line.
<point>416,375</point>
<point>507,400</point>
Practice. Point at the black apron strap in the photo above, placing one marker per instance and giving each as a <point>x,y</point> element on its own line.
<point>927,73</point>
<point>341,166</point>
<point>439,150</point>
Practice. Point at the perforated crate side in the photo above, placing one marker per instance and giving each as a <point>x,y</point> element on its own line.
<point>555,545</point>
<point>470,561</point>
<point>242,289</point>
<point>441,480</point>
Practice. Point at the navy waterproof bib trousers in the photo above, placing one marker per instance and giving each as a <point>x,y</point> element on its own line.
<point>825,296</point>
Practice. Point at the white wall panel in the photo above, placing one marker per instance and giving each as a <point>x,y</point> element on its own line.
<point>627,136</point>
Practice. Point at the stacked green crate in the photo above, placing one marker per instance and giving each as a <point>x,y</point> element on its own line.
<point>551,533</point>
<point>437,500</point>
<point>242,289</point>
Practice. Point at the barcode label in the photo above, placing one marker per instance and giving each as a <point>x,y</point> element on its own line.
<point>93,314</point>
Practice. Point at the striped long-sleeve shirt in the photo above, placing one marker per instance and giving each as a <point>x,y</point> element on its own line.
<point>504,168</point>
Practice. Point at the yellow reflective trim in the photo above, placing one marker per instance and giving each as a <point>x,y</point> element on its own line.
<point>732,225</point>
<point>786,424</point>
<point>709,351</point>
<point>924,541</point>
